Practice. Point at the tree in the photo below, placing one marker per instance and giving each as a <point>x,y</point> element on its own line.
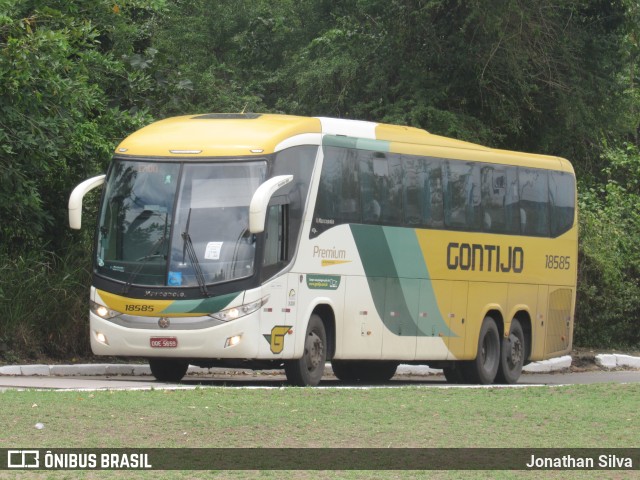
<point>60,118</point>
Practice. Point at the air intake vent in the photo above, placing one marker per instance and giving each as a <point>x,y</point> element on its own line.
<point>227,116</point>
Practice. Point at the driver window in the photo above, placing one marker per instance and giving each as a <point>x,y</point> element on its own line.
<point>275,245</point>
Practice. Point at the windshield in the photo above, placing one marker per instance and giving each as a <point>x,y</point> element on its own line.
<point>171,224</point>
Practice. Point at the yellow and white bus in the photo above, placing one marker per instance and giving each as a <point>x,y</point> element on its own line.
<point>268,241</point>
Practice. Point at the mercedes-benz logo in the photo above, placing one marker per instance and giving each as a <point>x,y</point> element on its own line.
<point>163,322</point>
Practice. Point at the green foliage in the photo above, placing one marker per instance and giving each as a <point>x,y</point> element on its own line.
<point>60,119</point>
<point>44,304</point>
<point>608,305</point>
<point>58,122</point>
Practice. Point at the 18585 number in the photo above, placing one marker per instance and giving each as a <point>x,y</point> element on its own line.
<point>138,308</point>
<point>558,262</point>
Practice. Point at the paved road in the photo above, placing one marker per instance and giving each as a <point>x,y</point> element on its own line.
<point>276,380</point>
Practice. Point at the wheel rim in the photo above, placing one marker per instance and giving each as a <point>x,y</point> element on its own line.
<point>515,352</point>
<point>314,351</point>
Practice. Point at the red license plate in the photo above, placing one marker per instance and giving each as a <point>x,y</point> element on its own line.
<point>163,342</point>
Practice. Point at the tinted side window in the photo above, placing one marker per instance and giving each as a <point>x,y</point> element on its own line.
<point>339,191</point>
<point>296,161</point>
<point>493,188</point>
<point>423,191</point>
<point>562,198</point>
<point>381,187</point>
<point>534,201</point>
<point>462,195</point>
<point>500,205</point>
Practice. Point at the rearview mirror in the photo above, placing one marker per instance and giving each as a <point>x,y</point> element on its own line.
<point>75,200</point>
<point>260,201</point>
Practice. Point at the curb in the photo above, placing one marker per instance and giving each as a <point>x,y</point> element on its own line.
<point>606,361</point>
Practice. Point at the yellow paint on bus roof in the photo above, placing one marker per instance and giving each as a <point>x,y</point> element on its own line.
<point>216,135</point>
<point>414,141</point>
<point>222,135</point>
<point>413,135</point>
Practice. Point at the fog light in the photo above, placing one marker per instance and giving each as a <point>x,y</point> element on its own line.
<point>100,337</point>
<point>232,341</point>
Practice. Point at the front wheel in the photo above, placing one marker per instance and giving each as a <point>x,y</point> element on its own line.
<point>308,370</point>
<point>168,370</point>
<point>512,355</point>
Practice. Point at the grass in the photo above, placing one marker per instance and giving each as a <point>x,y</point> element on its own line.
<point>580,416</point>
<point>44,305</point>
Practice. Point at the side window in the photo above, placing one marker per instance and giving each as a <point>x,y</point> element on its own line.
<point>299,162</point>
<point>493,188</point>
<point>275,247</point>
<point>380,178</point>
<point>534,201</point>
<point>338,198</point>
<point>462,208</point>
<point>562,188</point>
<point>512,202</point>
<point>500,204</point>
<point>423,191</point>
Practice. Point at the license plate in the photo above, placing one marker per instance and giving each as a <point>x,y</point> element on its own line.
<point>163,342</point>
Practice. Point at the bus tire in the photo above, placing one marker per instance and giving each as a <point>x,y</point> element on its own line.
<point>484,368</point>
<point>512,353</point>
<point>308,370</point>
<point>376,371</point>
<point>344,371</point>
<point>454,374</point>
<point>364,370</point>
<point>168,370</point>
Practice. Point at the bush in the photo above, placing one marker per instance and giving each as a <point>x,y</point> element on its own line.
<point>608,304</point>
<point>44,305</point>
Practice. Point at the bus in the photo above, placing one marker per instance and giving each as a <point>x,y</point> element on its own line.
<point>272,241</point>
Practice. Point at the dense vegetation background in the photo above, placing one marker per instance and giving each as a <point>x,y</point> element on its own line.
<point>76,76</point>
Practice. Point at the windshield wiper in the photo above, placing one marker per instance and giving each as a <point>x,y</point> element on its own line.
<point>193,258</point>
<point>154,252</point>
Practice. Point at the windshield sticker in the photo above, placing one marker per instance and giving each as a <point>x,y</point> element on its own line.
<point>175,279</point>
<point>212,252</point>
<point>323,282</point>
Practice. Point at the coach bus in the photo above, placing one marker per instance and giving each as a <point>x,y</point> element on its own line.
<point>273,241</point>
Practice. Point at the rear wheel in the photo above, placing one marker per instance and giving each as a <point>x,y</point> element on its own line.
<point>308,370</point>
<point>512,355</point>
<point>484,368</point>
<point>168,370</point>
<point>454,374</point>
<point>343,370</point>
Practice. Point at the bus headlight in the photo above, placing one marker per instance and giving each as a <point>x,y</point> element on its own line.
<point>102,311</point>
<point>240,311</point>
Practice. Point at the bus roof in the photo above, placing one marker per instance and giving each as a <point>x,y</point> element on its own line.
<point>252,134</point>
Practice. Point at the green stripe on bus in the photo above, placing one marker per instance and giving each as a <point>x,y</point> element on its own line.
<point>358,143</point>
<point>399,281</point>
<point>207,305</point>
